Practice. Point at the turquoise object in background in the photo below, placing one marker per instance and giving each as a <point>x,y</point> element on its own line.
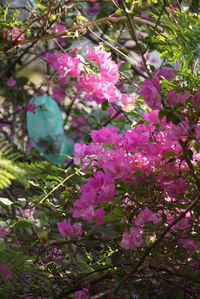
<point>45,130</point>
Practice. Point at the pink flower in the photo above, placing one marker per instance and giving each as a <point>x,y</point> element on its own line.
<point>174,187</point>
<point>117,164</point>
<point>133,140</point>
<point>28,213</point>
<point>99,87</point>
<point>131,239</point>
<point>56,254</point>
<point>13,34</point>
<point>4,231</point>
<point>66,229</point>
<point>11,81</point>
<point>150,92</point>
<point>173,8</point>
<point>98,189</point>
<point>5,271</point>
<point>102,90</point>
<point>110,71</point>
<point>31,108</point>
<point>92,11</point>
<point>90,215</point>
<point>83,294</point>
<point>84,154</point>
<point>180,131</point>
<point>58,94</point>
<point>107,135</point>
<point>87,82</point>
<point>128,101</point>
<point>151,117</point>
<point>68,65</point>
<point>98,54</point>
<point>147,215</point>
<point>182,224</point>
<point>196,98</point>
<point>78,121</point>
<point>59,28</point>
<point>166,72</point>
<point>190,245</point>
<point>175,98</point>
<point>197,130</point>
<point>51,57</point>
<point>113,112</point>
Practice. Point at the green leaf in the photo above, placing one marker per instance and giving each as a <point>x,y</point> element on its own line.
<point>114,37</point>
<point>22,81</point>
<point>2,294</point>
<point>23,224</point>
<point>119,11</point>
<point>41,6</point>
<point>171,160</point>
<point>190,154</point>
<point>161,114</point>
<point>169,154</point>
<point>105,105</point>
<point>125,66</point>
<point>138,173</point>
<point>17,205</point>
<point>197,147</point>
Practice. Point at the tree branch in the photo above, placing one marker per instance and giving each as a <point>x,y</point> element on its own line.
<point>85,26</point>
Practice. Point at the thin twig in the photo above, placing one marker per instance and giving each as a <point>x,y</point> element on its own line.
<point>85,26</point>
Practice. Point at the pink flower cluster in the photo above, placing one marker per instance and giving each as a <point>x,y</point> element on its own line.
<point>83,294</point>
<point>175,98</point>
<point>66,229</point>
<point>59,28</point>
<point>147,215</point>
<point>11,82</point>
<point>97,87</point>
<point>80,124</point>
<point>13,34</point>
<point>99,189</point>
<point>196,98</point>
<point>56,254</point>
<point>27,213</point>
<point>58,94</point>
<point>65,64</point>
<point>133,238</point>
<point>5,271</point>
<point>68,65</point>
<point>4,231</point>
<point>139,150</point>
<point>150,91</point>
<point>190,245</point>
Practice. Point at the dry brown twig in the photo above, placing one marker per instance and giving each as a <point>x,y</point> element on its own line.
<point>84,26</point>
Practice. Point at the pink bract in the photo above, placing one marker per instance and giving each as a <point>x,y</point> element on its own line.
<point>131,239</point>
<point>5,271</point>
<point>31,108</point>
<point>11,81</point>
<point>196,98</point>
<point>4,231</point>
<point>83,294</point>
<point>150,92</point>
<point>66,229</point>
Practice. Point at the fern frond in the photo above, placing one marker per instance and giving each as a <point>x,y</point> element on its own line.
<point>8,169</point>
